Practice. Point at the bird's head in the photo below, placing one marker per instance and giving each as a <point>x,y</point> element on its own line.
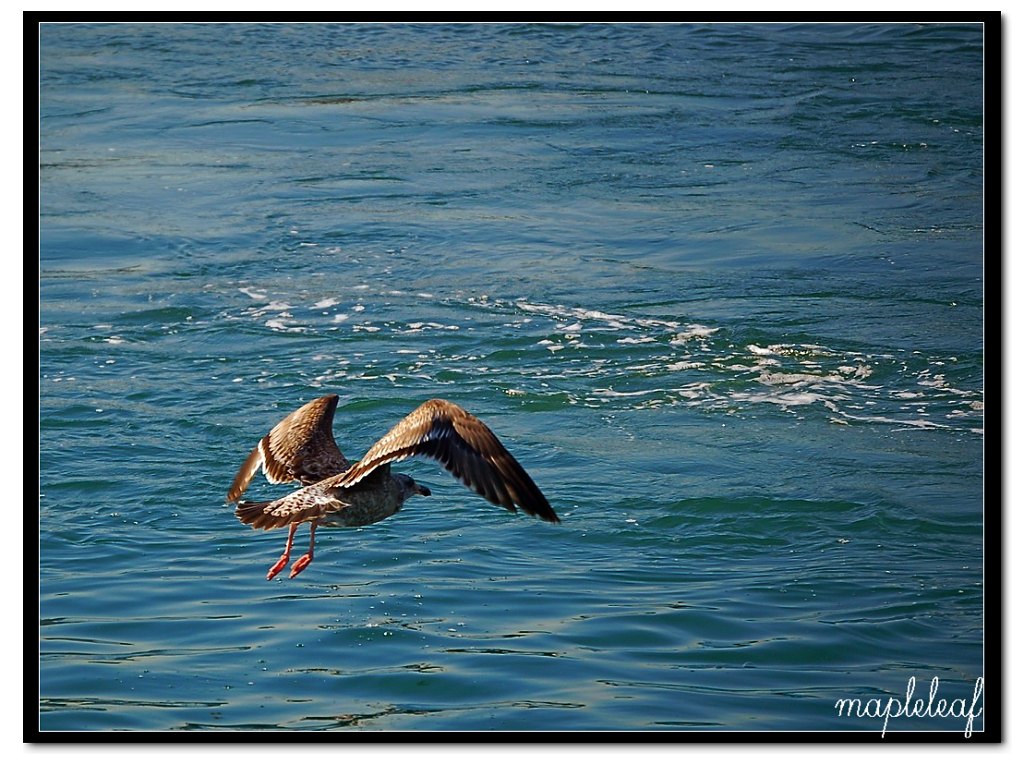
<point>409,487</point>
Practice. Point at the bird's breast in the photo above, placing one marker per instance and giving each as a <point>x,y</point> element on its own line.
<point>364,506</point>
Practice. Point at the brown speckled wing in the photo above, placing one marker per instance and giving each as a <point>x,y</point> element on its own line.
<point>466,447</point>
<point>300,448</point>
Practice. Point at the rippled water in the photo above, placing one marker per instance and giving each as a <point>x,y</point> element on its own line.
<point>718,287</point>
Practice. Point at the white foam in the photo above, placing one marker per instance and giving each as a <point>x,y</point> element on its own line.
<point>609,393</point>
<point>692,332</point>
<point>679,366</point>
<point>796,379</point>
<point>280,326</point>
<point>783,399</point>
<point>253,293</point>
<point>419,326</point>
<point>859,371</point>
<point>610,320</point>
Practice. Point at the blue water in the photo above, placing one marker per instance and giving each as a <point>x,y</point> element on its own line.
<point>718,287</point>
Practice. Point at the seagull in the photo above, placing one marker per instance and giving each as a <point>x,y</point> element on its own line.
<point>301,448</point>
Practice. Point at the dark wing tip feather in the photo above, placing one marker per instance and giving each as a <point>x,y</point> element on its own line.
<point>525,492</point>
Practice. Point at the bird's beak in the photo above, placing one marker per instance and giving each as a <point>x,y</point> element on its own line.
<point>422,490</point>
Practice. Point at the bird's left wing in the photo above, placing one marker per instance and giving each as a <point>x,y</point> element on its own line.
<point>466,447</point>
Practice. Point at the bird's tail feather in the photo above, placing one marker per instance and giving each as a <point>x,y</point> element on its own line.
<point>250,512</point>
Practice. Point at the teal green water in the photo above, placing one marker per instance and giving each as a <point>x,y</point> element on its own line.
<point>718,287</point>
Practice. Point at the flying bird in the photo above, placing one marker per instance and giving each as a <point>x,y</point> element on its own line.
<point>301,448</point>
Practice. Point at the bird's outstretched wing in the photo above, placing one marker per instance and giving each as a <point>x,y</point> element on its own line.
<point>465,446</point>
<point>300,448</point>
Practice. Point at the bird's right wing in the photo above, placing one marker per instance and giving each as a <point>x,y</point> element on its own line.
<point>299,448</point>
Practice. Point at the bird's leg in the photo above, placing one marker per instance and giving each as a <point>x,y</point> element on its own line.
<point>283,560</point>
<point>306,559</point>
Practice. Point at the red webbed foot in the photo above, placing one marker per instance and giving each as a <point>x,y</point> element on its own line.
<point>278,567</point>
<point>300,565</point>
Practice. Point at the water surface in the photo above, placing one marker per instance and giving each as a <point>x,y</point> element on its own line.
<point>718,287</point>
